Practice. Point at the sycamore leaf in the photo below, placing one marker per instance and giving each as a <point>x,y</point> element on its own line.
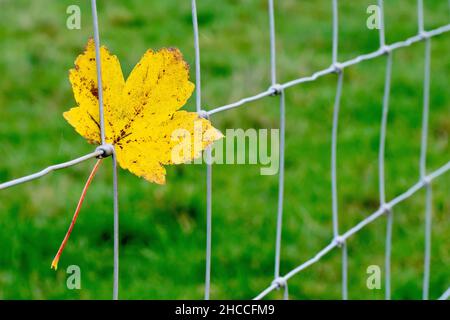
<point>141,113</point>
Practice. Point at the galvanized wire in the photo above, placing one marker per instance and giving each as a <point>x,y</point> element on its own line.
<point>335,31</point>
<point>387,254</point>
<point>383,129</point>
<point>420,22</point>
<point>338,241</point>
<point>332,69</point>
<point>445,295</point>
<point>98,62</point>
<point>385,207</point>
<point>334,193</point>
<point>273,60</point>
<point>426,108</point>
<point>198,93</point>
<point>280,185</point>
<point>116,228</point>
<point>427,254</point>
<point>358,227</point>
<point>344,264</point>
<point>114,158</point>
<point>198,101</point>
<point>381,173</point>
<point>423,167</point>
<point>208,224</point>
<point>49,169</point>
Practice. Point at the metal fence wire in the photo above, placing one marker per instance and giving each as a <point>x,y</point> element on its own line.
<point>276,89</point>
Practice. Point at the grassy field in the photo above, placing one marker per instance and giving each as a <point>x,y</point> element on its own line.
<point>163,227</point>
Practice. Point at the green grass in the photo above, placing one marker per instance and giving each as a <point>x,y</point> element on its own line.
<point>163,227</point>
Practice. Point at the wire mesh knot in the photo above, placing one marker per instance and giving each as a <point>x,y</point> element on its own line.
<point>339,240</point>
<point>338,68</point>
<point>203,114</point>
<point>279,282</point>
<point>106,150</point>
<point>386,208</point>
<point>276,89</point>
<point>424,35</point>
<point>426,181</point>
<point>385,49</point>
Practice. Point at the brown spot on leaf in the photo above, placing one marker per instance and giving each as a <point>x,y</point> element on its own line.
<point>94,91</point>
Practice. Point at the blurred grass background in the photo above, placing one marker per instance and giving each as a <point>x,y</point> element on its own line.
<point>163,227</point>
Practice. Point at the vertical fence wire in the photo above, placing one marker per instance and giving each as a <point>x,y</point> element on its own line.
<point>286,292</point>
<point>423,157</point>
<point>208,223</point>
<point>383,129</point>
<point>420,19</point>
<point>427,254</point>
<point>387,254</point>
<point>273,70</point>
<point>426,108</point>
<point>280,185</point>
<point>198,95</point>
<point>337,103</point>
<point>335,31</point>
<point>344,271</point>
<point>116,228</point>
<point>334,194</point>
<point>208,155</point>
<point>381,174</point>
<point>99,69</point>
<point>103,140</point>
<point>273,77</point>
<point>338,241</point>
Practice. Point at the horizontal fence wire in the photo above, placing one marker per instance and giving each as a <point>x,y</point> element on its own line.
<point>332,69</point>
<point>114,158</point>
<point>99,152</point>
<point>49,169</point>
<point>385,208</point>
<point>338,241</point>
<point>445,295</point>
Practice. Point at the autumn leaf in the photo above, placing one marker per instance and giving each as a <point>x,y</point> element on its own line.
<point>142,112</point>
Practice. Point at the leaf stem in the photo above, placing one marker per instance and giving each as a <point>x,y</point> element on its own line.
<point>75,215</point>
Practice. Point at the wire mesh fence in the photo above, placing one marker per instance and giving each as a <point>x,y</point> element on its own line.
<point>339,239</point>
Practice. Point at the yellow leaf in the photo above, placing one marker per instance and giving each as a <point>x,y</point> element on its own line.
<point>142,117</point>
